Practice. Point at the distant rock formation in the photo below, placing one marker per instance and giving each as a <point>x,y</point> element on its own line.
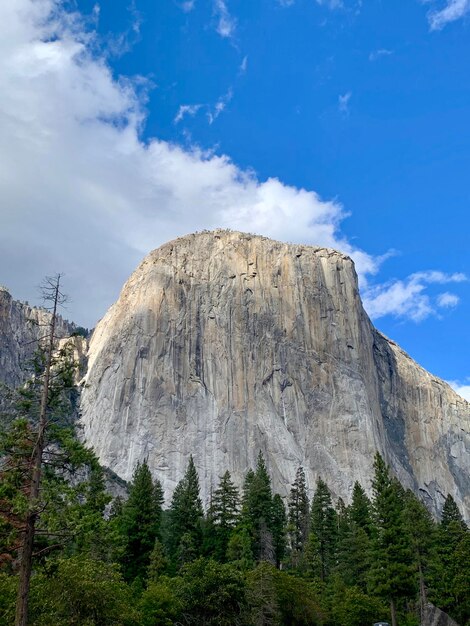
<point>21,325</point>
<point>435,617</point>
<point>223,344</point>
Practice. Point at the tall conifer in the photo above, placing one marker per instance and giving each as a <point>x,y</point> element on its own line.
<point>391,574</point>
<point>186,515</point>
<point>298,517</point>
<point>139,522</point>
<point>257,510</point>
<point>223,515</point>
<point>323,531</point>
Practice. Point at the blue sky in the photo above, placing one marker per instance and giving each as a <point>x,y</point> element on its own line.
<point>339,123</point>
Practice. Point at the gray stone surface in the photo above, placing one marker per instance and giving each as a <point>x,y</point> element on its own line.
<point>223,344</point>
<point>21,325</point>
<point>435,617</point>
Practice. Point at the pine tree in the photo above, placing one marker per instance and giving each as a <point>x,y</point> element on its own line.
<point>239,549</point>
<point>360,509</point>
<point>451,513</point>
<point>421,530</point>
<point>323,530</point>
<point>353,541</point>
<point>223,516</point>
<point>450,564</point>
<point>186,515</point>
<point>279,521</point>
<point>391,575</point>
<point>298,517</point>
<point>139,523</point>
<point>157,562</point>
<point>257,511</point>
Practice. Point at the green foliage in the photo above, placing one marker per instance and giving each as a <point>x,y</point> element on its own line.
<point>262,595</point>
<point>158,562</point>
<point>352,549</point>
<point>239,551</point>
<point>298,518</point>
<point>278,528</point>
<point>449,568</point>
<point>222,516</point>
<point>257,511</point>
<point>298,601</point>
<point>451,513</point>
<point>322,543</point>
<point>360,511</point>
<point>211,593</point>
<point>186,515</point>
<point>392,574</point>
<point>350,606</point>
<point>159,604</point>
<point>80,591</point>
<point>139,523</point>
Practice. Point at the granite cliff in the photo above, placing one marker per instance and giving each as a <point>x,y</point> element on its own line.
<point>223,344</point>
<point>21,326</point>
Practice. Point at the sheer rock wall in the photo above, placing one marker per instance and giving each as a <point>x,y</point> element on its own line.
<point>223,344</point>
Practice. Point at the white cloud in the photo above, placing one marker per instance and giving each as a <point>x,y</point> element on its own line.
<point>83,194</point>
<point>343,102</point>
<point>447,300</point>
<point>381,52</point>
<point>188,6</point>
<point>463,389</point>
<point>243,65</point>
<point>220,106</point>
<point>226,24</point>
<point>286,3</point>
<point>331,4</point>
<point>186,110</point>
<point>408,298</point>
<point>454,10</point>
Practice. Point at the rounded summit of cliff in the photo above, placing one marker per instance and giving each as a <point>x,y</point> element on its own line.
<point>220,237</point>
<point>226,254</point>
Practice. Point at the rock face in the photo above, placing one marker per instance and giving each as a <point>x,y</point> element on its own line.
<point>21,326</point>
<point>223,344</point>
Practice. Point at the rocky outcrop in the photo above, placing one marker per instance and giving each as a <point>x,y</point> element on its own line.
<point>435,617</point>
<point>223,344</point>
<point>21,326</point>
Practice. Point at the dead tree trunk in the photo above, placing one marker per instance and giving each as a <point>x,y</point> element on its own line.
<point>53,294</point>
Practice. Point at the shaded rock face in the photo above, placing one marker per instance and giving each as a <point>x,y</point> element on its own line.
<point>224,344</point>
<point>435,617</point>
<point>21,326</point>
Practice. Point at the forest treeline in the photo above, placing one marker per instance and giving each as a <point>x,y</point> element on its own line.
<point>248,559</point>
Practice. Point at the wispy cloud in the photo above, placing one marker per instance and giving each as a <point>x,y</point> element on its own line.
<point>408,298</point>
<point>286,3</point>
<point>187,6</point>
<point>243,65</point>
<point>331,4</point>
<point>454,10</point>
<point>186,110</point>
<point>219,106</point>
<point>381,52</point>
<point>447,300</point>
<point>343,103</point>
<point>226,24</point>
<point>462,388</point>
